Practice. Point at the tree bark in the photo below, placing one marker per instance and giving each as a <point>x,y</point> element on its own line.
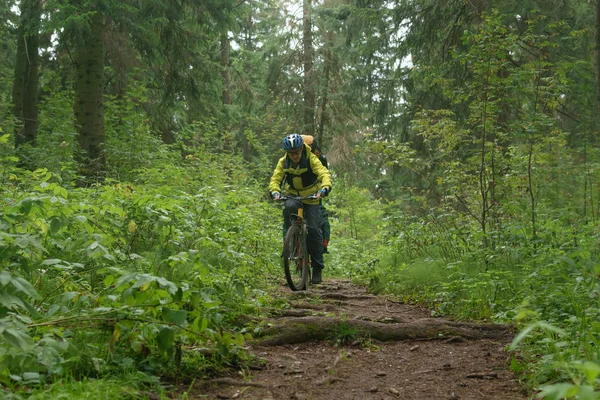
<point>89,102</point>
<point>249,103</point>
<point>325,88</point>
<point>309,84</point>
<point>597,49</point>
<point>225,48</point>
<point>25,86</point>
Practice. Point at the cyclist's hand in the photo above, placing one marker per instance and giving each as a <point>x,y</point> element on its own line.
<point>276,195</point>
<point>322,193</point>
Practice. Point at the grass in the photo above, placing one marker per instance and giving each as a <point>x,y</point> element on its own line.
<point>461,289</point>
<point>136,386</point>
<point>345,334</point>
<point>409,278</point>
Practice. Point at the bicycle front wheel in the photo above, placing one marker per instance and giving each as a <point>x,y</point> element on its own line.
<point>295,258</point>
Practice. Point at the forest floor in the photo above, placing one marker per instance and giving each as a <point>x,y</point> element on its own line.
<point>344,363</point>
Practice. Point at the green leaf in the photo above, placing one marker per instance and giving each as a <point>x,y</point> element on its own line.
<point>51,261</point>
<point>240,289</point>
<point>49,355</point>
<point>170,286</point>
<point>55,225</point>
<point>178,296</point>
<point>143,280</point>
<point>9,301</point>
<point>587,392</point>
<point>108,280</point>
<point>166,340</point>
<point>591,371</point>
<point>5,278</point>
<point>126,278</point>
<point>21,285</point>
<point>177,317</point>
<point>31,377</point>
<point>539,324</point>
<point>26,205</point>
<point>558,391</point>
<point>16,338</point>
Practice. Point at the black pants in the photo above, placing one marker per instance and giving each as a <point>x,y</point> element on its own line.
<point>313,218</point>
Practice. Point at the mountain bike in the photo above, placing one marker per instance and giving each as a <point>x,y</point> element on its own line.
<point>295,251</point>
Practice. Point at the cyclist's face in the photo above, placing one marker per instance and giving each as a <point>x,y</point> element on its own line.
<point>295,155</point>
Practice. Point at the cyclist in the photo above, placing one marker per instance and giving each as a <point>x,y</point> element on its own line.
<point>302,174</point>
<point>326,227</point>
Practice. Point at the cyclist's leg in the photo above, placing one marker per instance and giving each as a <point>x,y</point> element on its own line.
<point>325,227</point>
<point>286,224</point>
<point>291,207</point>
<point>312,216</point>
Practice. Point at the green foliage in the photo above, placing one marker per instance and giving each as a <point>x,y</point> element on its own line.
<point>131,145</point>
<point>126,277</point>
<point>345,334</point>
<point>491,210</point>
<point>466,165</point>
<point>134,386</point>
<point>351,212</point>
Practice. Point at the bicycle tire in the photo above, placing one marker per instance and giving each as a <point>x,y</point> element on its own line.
<point>295,258</point>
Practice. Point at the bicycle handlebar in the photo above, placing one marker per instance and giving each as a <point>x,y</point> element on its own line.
<point>299,198</point>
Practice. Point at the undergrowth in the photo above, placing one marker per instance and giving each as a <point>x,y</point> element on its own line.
<point>115,288</point>
<point>548,289</point>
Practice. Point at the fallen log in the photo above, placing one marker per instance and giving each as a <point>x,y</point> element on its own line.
<point>314,328</point>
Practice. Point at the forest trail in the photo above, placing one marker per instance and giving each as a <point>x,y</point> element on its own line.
<point>350,364</point>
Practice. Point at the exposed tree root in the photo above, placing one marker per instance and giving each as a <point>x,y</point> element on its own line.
<point>332,296</point>
<point>341,296</point>
<point>304,329</point>
<point>342,303</point>
<point>291,313</point>
<point>324,307</point>
<point>383,320</point>
<point>489,375</point>
<point>298,313</point>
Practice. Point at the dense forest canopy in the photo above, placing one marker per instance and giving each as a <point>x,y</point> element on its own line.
<point>137,139</point>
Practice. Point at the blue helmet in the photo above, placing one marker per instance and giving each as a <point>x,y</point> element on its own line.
<point>293,141</point>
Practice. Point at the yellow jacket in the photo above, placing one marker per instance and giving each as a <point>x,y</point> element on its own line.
<point>305,179</point>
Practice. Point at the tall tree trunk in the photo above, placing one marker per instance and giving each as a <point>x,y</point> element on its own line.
<point>309,84</point>
<point>325,87</point>
<point>25,86</point>
<point>249,43</point>
<point>483,175</point>
<point>19,83</point>
<point>597,49</point>
<point>225,48</point>
<point>89,102</point>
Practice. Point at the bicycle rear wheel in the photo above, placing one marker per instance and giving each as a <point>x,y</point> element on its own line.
<point>295,258</point>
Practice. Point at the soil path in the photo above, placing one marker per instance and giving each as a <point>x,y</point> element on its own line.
<point>349,367</point>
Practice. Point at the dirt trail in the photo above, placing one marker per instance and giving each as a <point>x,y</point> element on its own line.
<point>348,367</point>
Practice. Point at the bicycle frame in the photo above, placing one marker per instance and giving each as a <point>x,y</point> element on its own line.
<point>298,218</point>
<point>295,250</point>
